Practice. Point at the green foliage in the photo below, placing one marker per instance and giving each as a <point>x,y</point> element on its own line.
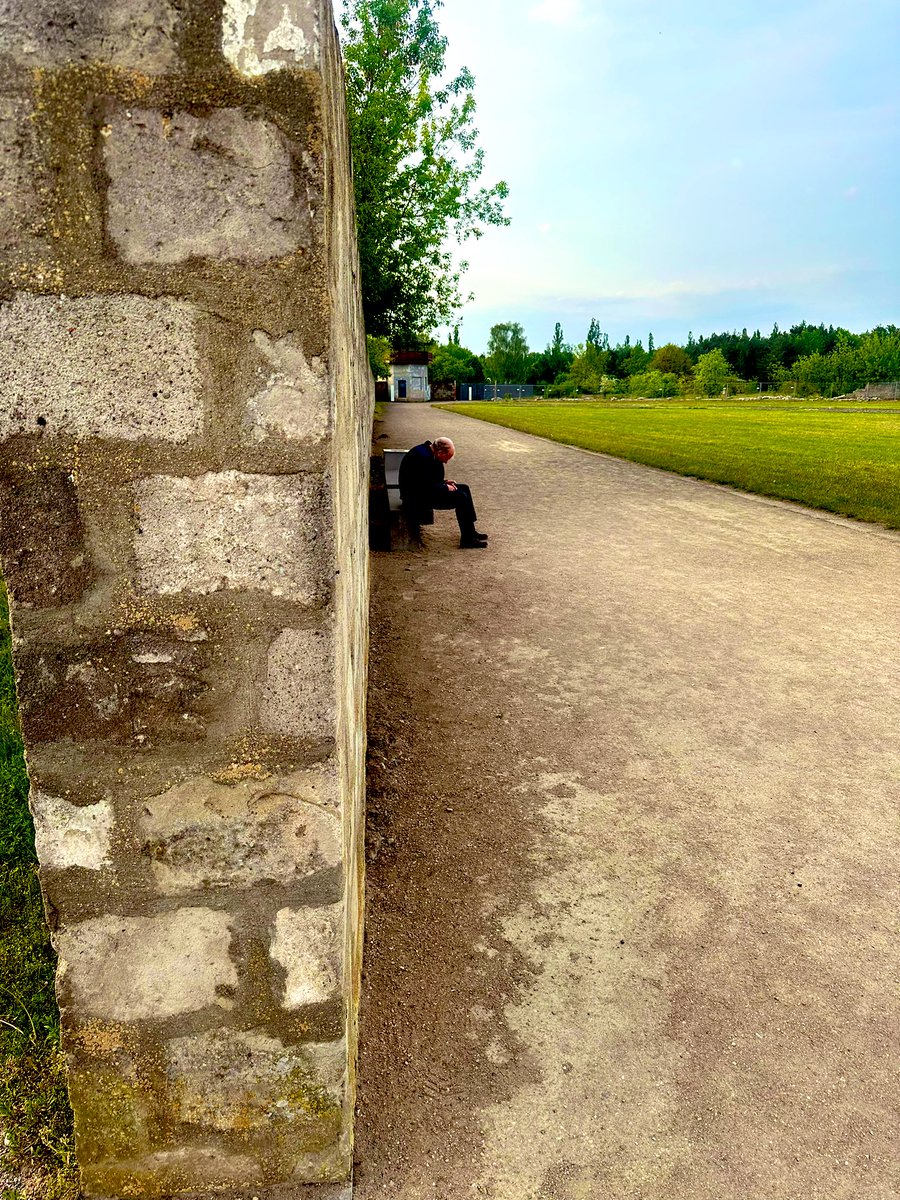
<point>507,357</point>
<point>455,363</point>
<point>16,831</point>
<point>379,349</point>
<point>876,357</point>
<point>672,360</point>
<point>653,384</point>
<point>634,360</point>
<point>558,347</point>
<point>843,461</point>
<point>558,354</point>
<point>855,361</point>
<point>552,363</point>
<point>596,337</point>
<point>613,386</point>
<point>588,368</point>
<point>416,165</point>
<point>563,388</point>
<point>754,356</point>
<point>814,374</point>
<point>711,373</point>
<point>34,1106</point>
<point>580,371</point>
<point>819,361</point>
<point>807,359</point>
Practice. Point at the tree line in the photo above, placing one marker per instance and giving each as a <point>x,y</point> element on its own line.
<point>417,168</point>
<point>804,359</point>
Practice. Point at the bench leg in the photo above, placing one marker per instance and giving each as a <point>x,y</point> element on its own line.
<point>405,534</point>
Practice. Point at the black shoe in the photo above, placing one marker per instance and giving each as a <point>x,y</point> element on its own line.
<point>479,537</point>
<point>469,543</point>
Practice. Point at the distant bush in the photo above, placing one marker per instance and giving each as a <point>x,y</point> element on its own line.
<point>611,385</point>
<point>564,388</point>
<point>731,385</point>
<point>653,384</point>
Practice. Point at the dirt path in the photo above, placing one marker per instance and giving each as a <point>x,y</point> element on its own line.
<point>633,851</point>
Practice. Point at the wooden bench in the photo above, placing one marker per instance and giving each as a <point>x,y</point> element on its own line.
<point>388,527</point>
<point>392,461</point>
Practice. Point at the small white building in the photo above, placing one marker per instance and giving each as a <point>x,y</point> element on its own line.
<point>409,376</point>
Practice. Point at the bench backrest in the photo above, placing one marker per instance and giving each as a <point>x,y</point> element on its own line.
<point>392,460</point>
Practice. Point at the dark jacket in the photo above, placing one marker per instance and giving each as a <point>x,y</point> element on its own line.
<point>421,475</point>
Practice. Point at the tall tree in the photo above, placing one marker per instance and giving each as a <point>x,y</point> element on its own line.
<point>416,165</point>
<point>712,371</point>
<point>507,355</point>
<point>560,353</point>
<point>634,360</point>
<point>588,368</point>
<point>671,360</point>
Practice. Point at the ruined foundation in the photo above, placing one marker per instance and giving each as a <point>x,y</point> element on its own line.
<point>185,410</point>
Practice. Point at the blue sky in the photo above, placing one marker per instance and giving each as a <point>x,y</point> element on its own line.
<point>682,165</point>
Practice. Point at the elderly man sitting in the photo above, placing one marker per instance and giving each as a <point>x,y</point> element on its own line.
<point>423,488</point>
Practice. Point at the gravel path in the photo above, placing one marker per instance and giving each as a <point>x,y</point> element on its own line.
<point>633,850</point>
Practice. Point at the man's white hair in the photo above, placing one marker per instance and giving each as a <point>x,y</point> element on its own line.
<point>444,444</point>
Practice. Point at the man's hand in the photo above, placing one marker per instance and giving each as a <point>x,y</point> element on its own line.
<point>450,485</point>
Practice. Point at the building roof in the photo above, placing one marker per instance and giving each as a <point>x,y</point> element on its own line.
<point>408,358</point>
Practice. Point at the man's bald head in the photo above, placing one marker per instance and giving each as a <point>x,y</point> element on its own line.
<point>443,449</point>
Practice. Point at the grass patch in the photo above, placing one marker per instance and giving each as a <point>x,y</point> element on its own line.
<point>34,1105</point>
<point>842,458</point>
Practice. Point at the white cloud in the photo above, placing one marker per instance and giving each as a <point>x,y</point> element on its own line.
<point>557,12</point>
<point>522,287</point>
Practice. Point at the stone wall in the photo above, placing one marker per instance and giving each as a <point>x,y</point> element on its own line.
<point>185,411</point>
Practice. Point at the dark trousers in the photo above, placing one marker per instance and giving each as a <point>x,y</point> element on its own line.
<point>461,501</point>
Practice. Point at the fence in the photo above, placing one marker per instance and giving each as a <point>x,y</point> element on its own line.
<point>495,391</point>
<point>880,391</point>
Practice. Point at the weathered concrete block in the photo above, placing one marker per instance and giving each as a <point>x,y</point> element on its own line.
<point>267,35</point>
<point>129,968</point>
<point>102,366</point>
<point>204,930</point>
<point>133,689</point>
<point>69,835</point>
<point>308,945</point>
<point>294,401</point>
<point>222,186</point>
<point>230,530</point>
<point>298,698</point>
<point>166,1174</point>
<point>135,34</point>
<point>234,1080</point>
<point>203,834</point>
<point>116,1114</point>
<point>42,538</point>
<point>19,205</point>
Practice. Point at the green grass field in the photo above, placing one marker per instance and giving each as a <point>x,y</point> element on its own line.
<point>842,458</point>
<point>35,1117</point>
